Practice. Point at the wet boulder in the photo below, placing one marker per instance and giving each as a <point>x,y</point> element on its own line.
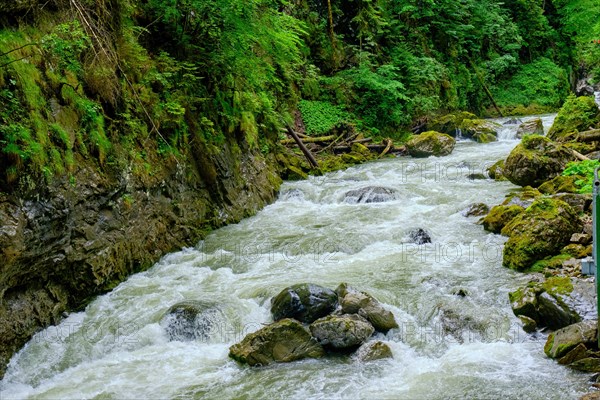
<point>353,301</point>
<point>304,302</point>
<point>535,160</point>
<point>577,114</point>
<point>560,184</point>
<point>496,171</point>
<point>513,121</point>
<point>449,123</point>
<point>371,351</point>
<point>480,130</point>
<point>192,320</point>
<point>370,194</point>
<point>531,127</point>
<point>342,331</point>
<point>419,236</point>
<point>524,197</point>
<point>544,304</point>
<point>500,216</point>
<point>540,231</point>
<point>283,341</point>
<point>476,209</point>
<point>580,202</point>
<point>430,143</point>
<point>564,340</point>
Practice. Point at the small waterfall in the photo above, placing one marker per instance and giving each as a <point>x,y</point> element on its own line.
<point>458,134</point>
<point>597,98</point>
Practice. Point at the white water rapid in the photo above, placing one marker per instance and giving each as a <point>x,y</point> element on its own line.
<point>447,346</point>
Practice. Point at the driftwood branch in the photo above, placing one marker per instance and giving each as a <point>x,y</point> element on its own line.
<point>387,148</point>
<point>579,155</point>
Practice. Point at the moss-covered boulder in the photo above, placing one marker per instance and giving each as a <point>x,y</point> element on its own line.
<point>305,302</point>
<point>576,115</point>
<point>500,216</point>
<point>372,351</point>
<point>353,301</point>
<point>480,130</point>
<point>341,331</point>
<point>560,184</point>
<point>580,202</point>
<point>449,123</point>
<point>496,171</point>
<point>544,304</point>
<point>524,197</point>
<point>283,341</point>
<point>535,160</point>
<point>542,230</point>
<point>430,143</point>
<point>562,341</point>
<point>531,127</point>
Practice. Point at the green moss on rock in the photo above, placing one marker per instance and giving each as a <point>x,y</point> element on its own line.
<point>430,143</point>
<point>560,184</point>
<point>499,216</point>
<point>542,230</point>
<point>576,115</point>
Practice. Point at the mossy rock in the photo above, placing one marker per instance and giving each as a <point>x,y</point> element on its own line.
<point>577,250</point>
<point>500,216</point>
<point>542,230</point>
<point>496,171</point>
<point>486,138</point>
<point>564,340</point>
<point>449,123</point>
<point>372,351</point>
<point>576,115</point>
<point>283,341</point>
<point>550,263</point>
<point>558,285</point>
<point>430,143</point>
<point>560,184</point>
<point>341,331</point>
<point>480,130</point>
<point>531,127</point>
<point>305,302</point>
<point>535,160</point>
<point>523,197</point>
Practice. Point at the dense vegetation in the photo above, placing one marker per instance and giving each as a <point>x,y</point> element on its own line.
<point>124,82</point>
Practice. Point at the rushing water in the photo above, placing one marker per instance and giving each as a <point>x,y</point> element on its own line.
<point>447,346</point>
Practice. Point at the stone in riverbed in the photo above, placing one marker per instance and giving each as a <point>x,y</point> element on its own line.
<point>564,340</point>
<point>576,354</point>
<point>341,331</point>
<point>283,341</point>
<point>529,324</point>
<point>370,194</point>
<point>419,236</point>
<point>372,351</point>
<point>305,302</point>
<point>589,364</point>
<point>430,143</point>
<point>354,302</point>
<point>476,209</point>
<point>531,127</point>
<point>191,320</point>
<point>500,216</point>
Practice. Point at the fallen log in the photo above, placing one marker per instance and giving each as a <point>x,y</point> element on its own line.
<point>311,159</point>
<point>310,139</point>
<point>365,140</point>
<point>579,155</point>
<point>592,135</point>
<point>347,149</point>
<point>387,147</point>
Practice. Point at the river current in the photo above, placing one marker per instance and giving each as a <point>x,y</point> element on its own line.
<point>448,346</point>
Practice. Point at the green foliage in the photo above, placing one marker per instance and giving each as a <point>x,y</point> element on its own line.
<point>542,82</point>
<point>585,170</point>
<point>577,114</point>
<point>65,45</point>
<point>321,116</point>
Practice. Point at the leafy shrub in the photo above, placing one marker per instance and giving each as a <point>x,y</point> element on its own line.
<point>321,116</point>
<point>586,170</point>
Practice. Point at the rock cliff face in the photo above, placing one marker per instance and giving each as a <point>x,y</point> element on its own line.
<point>63,242</point>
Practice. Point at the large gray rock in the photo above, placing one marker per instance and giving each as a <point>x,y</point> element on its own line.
<point>370,194</point>
<point>564,340</point>
<point>305,302</point>
<point>283,341</point>
<point>531,127</point>
<point>476,209</point>
<point>342,331</point>
<point>354,302</point>
<point>430,143</point>
<point>372,351</point>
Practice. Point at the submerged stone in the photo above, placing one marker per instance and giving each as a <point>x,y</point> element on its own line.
<point>372,351</point>
<point>192,320</point>
<point>419,236</point>
<point>370,194</point>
